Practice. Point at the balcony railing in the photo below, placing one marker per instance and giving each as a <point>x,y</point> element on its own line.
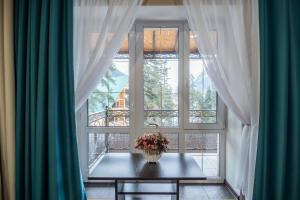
<point>110,117</point>
<point>100,143</point>
<point>168,118</point>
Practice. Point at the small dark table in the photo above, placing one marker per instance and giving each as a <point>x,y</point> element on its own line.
<point>134,176</point>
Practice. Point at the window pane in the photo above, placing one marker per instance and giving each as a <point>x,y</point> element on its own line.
<point>173,139</point>
<point>202,93</point>
<point>205,149</point>
<point>100,143</point>
<point>108,105</point>
<point>161,76</point>
<point>96,147</point>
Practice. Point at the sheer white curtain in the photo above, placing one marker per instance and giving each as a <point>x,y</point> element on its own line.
<point>100,27</point>
<point>233,67</point>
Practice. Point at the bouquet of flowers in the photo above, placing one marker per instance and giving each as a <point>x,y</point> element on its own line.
<point>152,143</point>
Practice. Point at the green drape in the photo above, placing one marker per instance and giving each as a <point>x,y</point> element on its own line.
<point>47,165</point>
<point>278,154</point>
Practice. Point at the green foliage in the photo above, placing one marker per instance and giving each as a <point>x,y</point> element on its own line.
<point>209,104</point>
<point>157,91</point>
<point>202,100</point>
<point>103,98</point>
<point>210,99</point>
<point>196,97</point>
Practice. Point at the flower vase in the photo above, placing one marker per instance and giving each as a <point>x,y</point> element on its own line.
<point>152,156</point>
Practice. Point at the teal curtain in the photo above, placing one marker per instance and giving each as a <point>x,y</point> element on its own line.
<point>278,154</point>
<point>47,165</point>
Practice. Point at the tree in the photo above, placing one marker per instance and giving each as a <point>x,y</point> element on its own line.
<point>102,98</point>
<point>157,91</point>
<point>209,104</point>
<point>195,96</point>
<point>203,100</point>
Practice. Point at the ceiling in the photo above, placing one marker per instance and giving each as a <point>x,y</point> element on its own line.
<point>160,40</point>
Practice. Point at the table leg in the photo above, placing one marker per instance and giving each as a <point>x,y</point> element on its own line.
<point>116,189</point>
<point>176,196</point>
<point>177,189</point>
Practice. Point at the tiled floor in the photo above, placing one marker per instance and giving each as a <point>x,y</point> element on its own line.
<point>187,192</point>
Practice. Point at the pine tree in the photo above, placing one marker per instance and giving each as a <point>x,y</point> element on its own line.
<point>209,104</point>
<point>157,91</point>
<point>195,96</point>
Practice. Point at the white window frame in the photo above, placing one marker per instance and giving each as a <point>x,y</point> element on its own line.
<point>136,98</point>
<point>221,108</point>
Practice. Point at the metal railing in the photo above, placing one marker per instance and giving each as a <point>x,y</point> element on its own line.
<point>120,117</point>
<point>101,143</point>
<point>110,117</point>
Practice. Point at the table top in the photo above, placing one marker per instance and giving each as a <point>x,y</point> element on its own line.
<point>130,166</point>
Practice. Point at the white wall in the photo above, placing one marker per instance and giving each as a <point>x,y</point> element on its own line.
<point>233,147</point>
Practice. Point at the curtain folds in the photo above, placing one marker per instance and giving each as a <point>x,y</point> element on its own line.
<point>100,27</point>
<point>47,165</point>
<point>233,66</point>
<point>7,102</point>
<point>278,153</point>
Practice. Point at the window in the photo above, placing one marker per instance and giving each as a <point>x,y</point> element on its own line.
<point>108,105</point>
<point>205,147</point>
<point>202,94</point>
<point>203,107</point>
<point>161,61</point>
<point>100,143</point>
<point>157,77</point>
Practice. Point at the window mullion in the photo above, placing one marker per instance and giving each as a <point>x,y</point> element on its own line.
<point>182,54</point>
<point>139,83</point>
<point>186,77</point>
<point>83,140</point>
<point>132,70</point>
